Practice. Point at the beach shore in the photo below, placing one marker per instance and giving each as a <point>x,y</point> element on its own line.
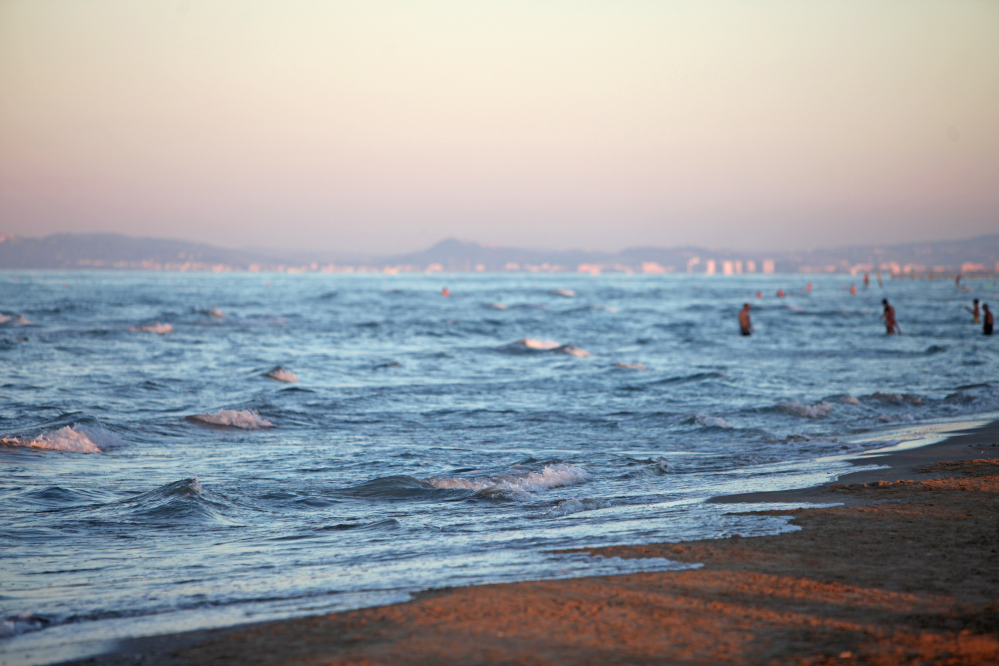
<point>905,570</point>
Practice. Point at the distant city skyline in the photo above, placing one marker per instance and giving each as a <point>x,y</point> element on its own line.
<point>384,127</point>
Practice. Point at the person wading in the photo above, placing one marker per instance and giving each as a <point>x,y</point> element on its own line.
<point>889,317</point>
<point>745,326</point>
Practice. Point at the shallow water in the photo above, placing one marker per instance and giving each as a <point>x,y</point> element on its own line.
<point>192,450</point>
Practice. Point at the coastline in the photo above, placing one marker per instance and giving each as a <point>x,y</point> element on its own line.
<point>900,572</point>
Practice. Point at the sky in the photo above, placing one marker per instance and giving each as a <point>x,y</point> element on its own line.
<point>379,126</point>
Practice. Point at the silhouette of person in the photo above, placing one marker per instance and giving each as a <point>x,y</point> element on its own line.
<point>745,326</point>
<point>867,280</point>
<point>974,310</point>
<point>889,317</point>
<point>989,320</point>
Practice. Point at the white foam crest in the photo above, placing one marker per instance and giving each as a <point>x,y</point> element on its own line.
<point>848,400</point>
<point>497,306</point>
<point>75,439</point>
<point>631,366</point>
<point>572,350</point>
<point>816,411</point>
<point>158,328</point>
<point>282,375</point>
<point>568,293</point>
<point>573,505</point>
<point>551,476</point>
<point>534,343</point>
<point>215,312</point>
<point>247,419</point>
<point>712,421</point>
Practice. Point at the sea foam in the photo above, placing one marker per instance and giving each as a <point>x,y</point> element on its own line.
<point>816,411</point>
<point>75,439</point>
<point>712,421</point>
<point>246,419</point>
<point>158,328</point>
<point>282,375</point>
<point>551,476</point>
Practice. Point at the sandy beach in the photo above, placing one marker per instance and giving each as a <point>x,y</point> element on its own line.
<point>906,570</point>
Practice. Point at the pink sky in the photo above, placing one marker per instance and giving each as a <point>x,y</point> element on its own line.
<point>387,126</point>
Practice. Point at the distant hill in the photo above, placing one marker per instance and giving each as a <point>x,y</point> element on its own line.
<point>115,251</point>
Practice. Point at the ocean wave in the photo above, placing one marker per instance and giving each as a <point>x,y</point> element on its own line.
<point>630,366</point>
<point>572,505</point>
<point>22,623</point>
<point>567,293</point>
<point>282,375</point>
<point>16,320</point>
<point>245,419</point>
<point>846,399</point>
<point>572,350</point>
<point>551,476</point>
<point>814,411</point>
<point>71,439</point>
<point>496,306</point>
<point>158,328</point>
<point>895,398</point>
<point>530,345</point>
<point>712,421</point>
<point>180,502</point>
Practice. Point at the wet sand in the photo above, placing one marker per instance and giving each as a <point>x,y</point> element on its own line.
<point>906,571</point>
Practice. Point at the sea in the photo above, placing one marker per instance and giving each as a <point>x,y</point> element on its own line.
<point>192,450</point>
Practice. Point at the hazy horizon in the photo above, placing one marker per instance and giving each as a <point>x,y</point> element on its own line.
<point>385,127</point>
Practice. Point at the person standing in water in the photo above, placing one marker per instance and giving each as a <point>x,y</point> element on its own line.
<point>889,317</point>
<point>974,310</point>
<point>745,326</point>
<point>989,320</point>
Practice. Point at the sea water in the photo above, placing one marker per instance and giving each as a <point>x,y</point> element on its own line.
<point>183,450</point>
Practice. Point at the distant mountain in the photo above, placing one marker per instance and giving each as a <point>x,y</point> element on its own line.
<point>104,251</point>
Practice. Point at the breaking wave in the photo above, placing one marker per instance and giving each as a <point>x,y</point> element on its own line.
<point>795,408</point>
<point>712,421</point>
<point>529,345</point>
<point>572,505</point>
<point>282,375</point>
<point>246,419</point>
<point>71,439</point>
<point>631,366</point>
<point>567,293</point>
<point>158,328</point>
<point>551,476</point>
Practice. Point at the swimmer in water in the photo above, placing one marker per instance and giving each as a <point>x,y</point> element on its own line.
<point>853,289</point>
<point>989,320</point>
<point>889,317</point>
<point>445,292</point>
<point>780,293</point>
<point>974,310</point>
<point>745,326</point>
<point>867,280</point>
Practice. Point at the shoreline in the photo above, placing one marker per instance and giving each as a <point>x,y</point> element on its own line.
<point>850,582</point>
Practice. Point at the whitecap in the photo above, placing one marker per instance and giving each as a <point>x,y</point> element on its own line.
<point>531,344</point>
<point>816,411</point>
<point>568,293</point>
<point>712,421</point>
<point>848,399</point>
<point>631,366</point>
<point>497,306</point>
<point>158,328</point>
<point>572,505</point>
<point>572,350</point>
<point>246,419</point>
<point>282,375</point>
<point>551,476</point>
<point>75,439</point>
<point>215,312</point>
